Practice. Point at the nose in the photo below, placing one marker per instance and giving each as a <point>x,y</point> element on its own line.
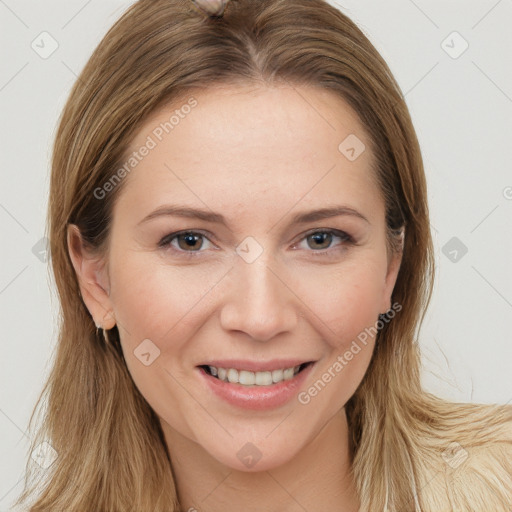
<point>260,303</point>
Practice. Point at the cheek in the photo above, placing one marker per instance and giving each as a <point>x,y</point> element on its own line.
<point>154,299</point>
<point>346,311</point>
<point>160,308</point>
<point>157,307</point>
<point>345,300</point>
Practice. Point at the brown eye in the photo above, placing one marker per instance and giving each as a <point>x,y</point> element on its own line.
<point>321,240</point>
<point>191,241</point>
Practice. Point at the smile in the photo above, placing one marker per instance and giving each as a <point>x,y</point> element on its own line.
<point>250,378</point>
<point>264,386</point>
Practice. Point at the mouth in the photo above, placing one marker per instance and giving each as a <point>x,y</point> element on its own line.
<point>254,378</point>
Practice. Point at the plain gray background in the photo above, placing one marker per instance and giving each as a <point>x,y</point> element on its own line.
<point>461,103</point>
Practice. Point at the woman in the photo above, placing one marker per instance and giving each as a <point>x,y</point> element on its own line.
<point>238,202</point>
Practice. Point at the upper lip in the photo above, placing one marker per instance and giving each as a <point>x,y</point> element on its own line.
<point>256,366</point>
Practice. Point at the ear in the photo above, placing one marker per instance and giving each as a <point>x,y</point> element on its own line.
<point>394,263</point>
<point>92,274</point>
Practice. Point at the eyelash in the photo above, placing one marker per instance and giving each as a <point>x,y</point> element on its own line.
<point>165,242</point>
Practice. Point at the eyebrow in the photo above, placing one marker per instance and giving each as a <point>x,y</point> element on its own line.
<point>209,216</point>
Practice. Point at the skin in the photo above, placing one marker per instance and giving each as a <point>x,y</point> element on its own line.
<point>258,155</point>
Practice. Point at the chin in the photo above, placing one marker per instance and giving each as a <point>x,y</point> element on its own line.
<point>249,457</point>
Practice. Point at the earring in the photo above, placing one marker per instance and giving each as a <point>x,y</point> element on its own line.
<point>104,332</point>
<point>105,337</point>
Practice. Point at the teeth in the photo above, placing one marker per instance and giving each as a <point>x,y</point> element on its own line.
<point>232,375</point>
<point>263,378</point>
<point>247,378</point>
<point>288,373</point>
<point>277,375</point>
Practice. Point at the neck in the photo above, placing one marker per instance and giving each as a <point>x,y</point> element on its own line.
<point>318,478</point>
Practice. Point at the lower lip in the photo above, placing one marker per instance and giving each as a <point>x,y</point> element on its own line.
<point>256,398</point>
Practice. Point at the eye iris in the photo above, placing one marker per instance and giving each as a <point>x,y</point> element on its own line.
<point>190,239</point>
<point>321,238</point>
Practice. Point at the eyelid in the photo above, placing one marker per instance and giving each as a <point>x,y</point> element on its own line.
<point>165,242</point>
<point>336,232</point>
<point>345,237</point>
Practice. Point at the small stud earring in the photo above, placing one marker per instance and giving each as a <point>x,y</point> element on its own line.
<point>105,337</point>
<point>104,332</point>
<point>98,327</point>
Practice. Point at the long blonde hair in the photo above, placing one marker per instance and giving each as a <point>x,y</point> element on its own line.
<point>410,450</point>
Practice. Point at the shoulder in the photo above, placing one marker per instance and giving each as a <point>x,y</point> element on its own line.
<point>471,467</point>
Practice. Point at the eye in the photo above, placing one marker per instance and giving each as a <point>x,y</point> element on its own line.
<point>186,241</point>
<point>322,239</point>
<point>319,240</point>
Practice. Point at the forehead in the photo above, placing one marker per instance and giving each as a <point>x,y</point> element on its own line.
<point>237,144</point>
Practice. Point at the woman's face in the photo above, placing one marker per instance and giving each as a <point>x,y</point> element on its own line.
<point>250,287</point>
